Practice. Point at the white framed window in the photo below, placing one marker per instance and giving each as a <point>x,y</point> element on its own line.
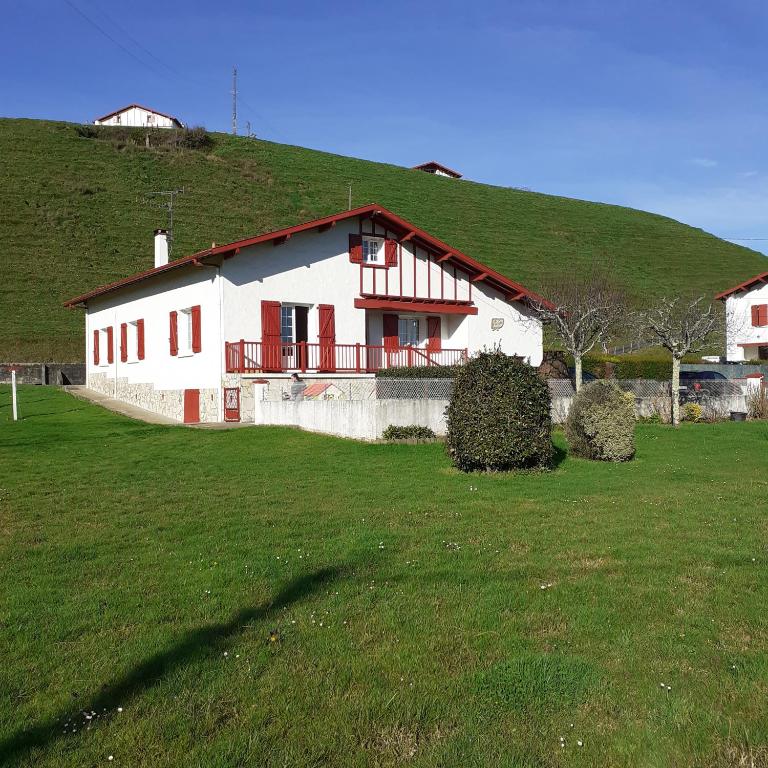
<point>408,331</point>
<point>373,250</point>
<point>133,342</point>
<point>287,323</point>
<point>185,332</point>
<point>104,351</point>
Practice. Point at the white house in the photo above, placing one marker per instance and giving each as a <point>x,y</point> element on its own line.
<point>437,169</point>
<point>336,299</point>
<point>746,311</point>
<point>136,116</point>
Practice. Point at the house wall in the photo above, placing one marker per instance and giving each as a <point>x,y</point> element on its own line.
<point>158,381</point>
<point>136,117</point>
<point>740,330</point>
<point>313,267</point>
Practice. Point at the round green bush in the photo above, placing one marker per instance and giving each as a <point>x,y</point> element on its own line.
<point>601,423</point>
<point>498,416</point>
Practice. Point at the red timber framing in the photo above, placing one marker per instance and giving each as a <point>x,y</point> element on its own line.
<point>381,220</point>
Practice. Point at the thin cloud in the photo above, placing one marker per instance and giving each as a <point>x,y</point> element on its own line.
<point>704,162</point>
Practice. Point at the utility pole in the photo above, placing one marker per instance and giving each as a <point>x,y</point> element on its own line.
<point>248,128</point>
<point>234,101</point>
<point>167,199</point>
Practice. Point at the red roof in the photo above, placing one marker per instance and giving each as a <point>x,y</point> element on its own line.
<point>512,290</point>
<point>138,106</point>
<point>432,166</point>
<point>746,285</point>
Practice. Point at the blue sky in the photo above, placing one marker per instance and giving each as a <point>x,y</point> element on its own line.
<point>657,105</point>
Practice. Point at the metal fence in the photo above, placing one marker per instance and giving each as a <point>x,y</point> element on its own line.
<point>414,389</point>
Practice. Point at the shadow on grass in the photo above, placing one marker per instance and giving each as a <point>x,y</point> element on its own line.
<point>192,646</point>
<point>559,455</point>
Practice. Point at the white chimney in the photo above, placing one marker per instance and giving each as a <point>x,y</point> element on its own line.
<point>161,247</point>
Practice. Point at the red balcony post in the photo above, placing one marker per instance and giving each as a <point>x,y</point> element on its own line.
<point>410,357</point>
<point>303,356</point>
<point>357,357</point>
<point>242,356</point>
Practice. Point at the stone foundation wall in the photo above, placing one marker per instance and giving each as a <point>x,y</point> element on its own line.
<point>166,402</point>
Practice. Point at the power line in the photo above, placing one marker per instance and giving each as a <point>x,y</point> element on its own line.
<point>111,39</point>
<point>137,43</point>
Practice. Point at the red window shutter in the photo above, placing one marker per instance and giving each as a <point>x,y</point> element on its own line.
<point>763,315</point>
<point>197,336</point>
<point>95,347</point>
<point>110,345</point>
<point>356,249</point>
<point>434,340</point>
<point>123,342</point>
<point>271,355</point>
<point>755,315</point>
<point>140,339</point>
<point>327,337</point>
<point>391,332</point>
<point>174,333</point>
<point>390,253</point>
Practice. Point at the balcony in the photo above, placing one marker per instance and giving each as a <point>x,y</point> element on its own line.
<point>258,357</point>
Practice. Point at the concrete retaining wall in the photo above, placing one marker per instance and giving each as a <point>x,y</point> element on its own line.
<point>43,373</point>
<point>360,419</point>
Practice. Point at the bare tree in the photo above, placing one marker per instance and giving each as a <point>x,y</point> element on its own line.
<point>583,312</point>
<point>680,326</point>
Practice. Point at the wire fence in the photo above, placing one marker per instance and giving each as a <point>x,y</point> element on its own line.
<point>559,389</point>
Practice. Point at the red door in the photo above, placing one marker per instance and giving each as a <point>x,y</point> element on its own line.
<point>271,354</point>
<point>232,404</point>
<point>327,338</point>
<point>191,406</point>
<point>391,334</point>
<point>434,340</point>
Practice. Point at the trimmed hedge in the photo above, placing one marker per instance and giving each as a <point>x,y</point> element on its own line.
<point>498,416</point>
<point>420,372</point>
<point>410,432</point>
<point>654,365</point>
<point>601,423</point>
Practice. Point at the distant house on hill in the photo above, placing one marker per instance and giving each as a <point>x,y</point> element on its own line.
<point>136,116</point>
<point>437,169</point>
<point>746,309</point>
<point>336,299</point>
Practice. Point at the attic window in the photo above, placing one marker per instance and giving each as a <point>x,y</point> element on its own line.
<point>373,250</point>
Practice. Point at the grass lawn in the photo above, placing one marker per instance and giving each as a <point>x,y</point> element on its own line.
<point>144,568</point>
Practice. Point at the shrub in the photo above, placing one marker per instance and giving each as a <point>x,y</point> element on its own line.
<point>601,423</point>
<point>498,415</point>
<point>655,366</point>
<point>410,432</point>
<point>757,403</point>
<point>692,412</point>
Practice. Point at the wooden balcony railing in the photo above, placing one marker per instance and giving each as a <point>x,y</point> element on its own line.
<point>257,357</point>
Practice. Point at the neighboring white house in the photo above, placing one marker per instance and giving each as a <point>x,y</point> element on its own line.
<point>437,169</point>
<point>136,116</point>
<point>746,311</point>
<point>336,299</point>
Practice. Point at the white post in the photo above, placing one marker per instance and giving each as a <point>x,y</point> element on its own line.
<point>13,394</point>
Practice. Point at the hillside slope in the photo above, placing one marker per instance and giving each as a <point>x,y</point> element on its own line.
<point>75,215</point>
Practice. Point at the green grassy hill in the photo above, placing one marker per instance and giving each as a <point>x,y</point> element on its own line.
<point>73,215</point>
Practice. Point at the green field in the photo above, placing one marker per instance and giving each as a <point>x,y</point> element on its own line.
<point>75,215</point>
<point>146,568</point>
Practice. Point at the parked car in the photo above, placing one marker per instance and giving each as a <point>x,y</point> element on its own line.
<point>585,375</point>
<point>695,385</point>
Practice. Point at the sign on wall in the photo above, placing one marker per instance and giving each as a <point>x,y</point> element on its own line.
<point>497,323</point>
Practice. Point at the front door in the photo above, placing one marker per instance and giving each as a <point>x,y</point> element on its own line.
<point>191,406</point>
